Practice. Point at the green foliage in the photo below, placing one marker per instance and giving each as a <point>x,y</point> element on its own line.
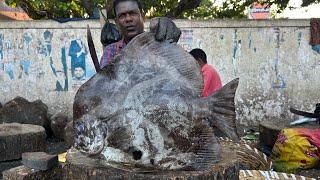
<point>43,9</point>
<point>158,7</point>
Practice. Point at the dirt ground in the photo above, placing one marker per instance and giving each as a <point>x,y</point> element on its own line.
<point>313,173</point>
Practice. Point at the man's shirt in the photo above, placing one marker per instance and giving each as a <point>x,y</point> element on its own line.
<point>111,51</point>
<point>212,81</point>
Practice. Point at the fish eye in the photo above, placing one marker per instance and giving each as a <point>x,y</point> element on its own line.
<point>137,155</point>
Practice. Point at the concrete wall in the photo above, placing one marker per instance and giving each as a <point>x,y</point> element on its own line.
<point>276,65</point>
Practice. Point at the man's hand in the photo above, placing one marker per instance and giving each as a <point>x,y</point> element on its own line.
<point>164,29</point>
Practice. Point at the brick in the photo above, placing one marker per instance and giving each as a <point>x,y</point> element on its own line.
<point>39,160</point>
<point>16,139</point>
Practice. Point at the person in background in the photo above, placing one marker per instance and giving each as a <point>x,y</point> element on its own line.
<point>129,19</point>
<point>211,78</point>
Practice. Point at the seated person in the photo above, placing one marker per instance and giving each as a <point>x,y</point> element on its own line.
<point>211,77</point>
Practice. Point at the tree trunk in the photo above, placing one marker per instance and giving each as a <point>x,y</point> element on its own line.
<point>16,139</point>
<point>81,167</point>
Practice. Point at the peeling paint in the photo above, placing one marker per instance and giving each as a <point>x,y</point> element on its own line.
<point>299,38</point>
<point>279,81</point>
<point>186,39</point>
<point>235,52</point>
<point>250,40</point>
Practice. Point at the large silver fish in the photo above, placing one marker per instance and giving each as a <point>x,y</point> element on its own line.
<point>144,109</point>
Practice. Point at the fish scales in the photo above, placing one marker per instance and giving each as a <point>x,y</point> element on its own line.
<point>144,109</point>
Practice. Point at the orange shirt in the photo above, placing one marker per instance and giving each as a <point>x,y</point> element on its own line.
<point>211,80</point>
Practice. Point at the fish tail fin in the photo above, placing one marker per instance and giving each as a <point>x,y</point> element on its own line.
<point>222,109</point>
<point>207,148</point>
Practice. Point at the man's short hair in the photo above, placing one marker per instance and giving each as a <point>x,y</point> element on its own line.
<point>199,54</point>
<point>116,2</point>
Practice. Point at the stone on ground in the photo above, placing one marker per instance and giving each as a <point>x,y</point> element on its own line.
<point>69,133</point>
<point>19,110</point>
<point>16,139</point>
<point>39,160</point>
<point>58,123</point>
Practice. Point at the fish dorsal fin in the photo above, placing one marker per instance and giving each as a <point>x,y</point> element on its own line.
<point>178,63</point>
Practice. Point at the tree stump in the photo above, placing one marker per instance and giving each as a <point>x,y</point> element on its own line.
<point>16,139</point>
<point>25,173</point>
<point>81,167</point>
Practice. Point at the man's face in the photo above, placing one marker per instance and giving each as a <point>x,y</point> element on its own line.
<point>78,72</point>
<point>129,19</point>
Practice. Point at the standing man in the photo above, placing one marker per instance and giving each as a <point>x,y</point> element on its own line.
<point>211,77</point>
<point>130,21</point>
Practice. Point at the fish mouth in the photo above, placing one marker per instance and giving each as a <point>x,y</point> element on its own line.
<point>93,152</point>
<point>90,143</point>
<point>135,153</point>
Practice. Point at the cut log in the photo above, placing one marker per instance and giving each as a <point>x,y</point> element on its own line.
<point>81,167</point>
<point>25,173</point>
<point>39,160</point>
<point>16,139</point>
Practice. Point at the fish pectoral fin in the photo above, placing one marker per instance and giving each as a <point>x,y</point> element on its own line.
<point>119,138</point>
<point>206,148</point>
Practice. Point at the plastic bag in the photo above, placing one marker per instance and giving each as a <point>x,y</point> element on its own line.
<point>109,33</point>
<point>296,148</point>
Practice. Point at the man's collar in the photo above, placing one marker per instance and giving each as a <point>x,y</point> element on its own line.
<point>121,43</point>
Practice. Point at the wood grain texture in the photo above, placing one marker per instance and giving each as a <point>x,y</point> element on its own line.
<point>81,167</point>
<point>18,138</point>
